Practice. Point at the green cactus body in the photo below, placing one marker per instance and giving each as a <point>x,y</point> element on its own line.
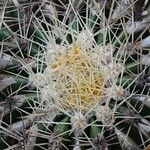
<point>74,75</point>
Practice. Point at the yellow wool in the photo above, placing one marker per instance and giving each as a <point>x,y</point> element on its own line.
<point>78,77</point>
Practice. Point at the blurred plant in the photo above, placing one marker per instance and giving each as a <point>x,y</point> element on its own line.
<point>74,74</point>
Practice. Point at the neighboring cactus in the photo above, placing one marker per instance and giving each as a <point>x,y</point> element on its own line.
<point>75,75</point>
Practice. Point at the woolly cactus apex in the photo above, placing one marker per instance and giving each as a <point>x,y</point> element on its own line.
<point>71,66</point>
<point>77,66</point>
<point>83,73</point>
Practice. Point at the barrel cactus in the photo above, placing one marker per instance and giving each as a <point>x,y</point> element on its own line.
<point>75,75</point>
